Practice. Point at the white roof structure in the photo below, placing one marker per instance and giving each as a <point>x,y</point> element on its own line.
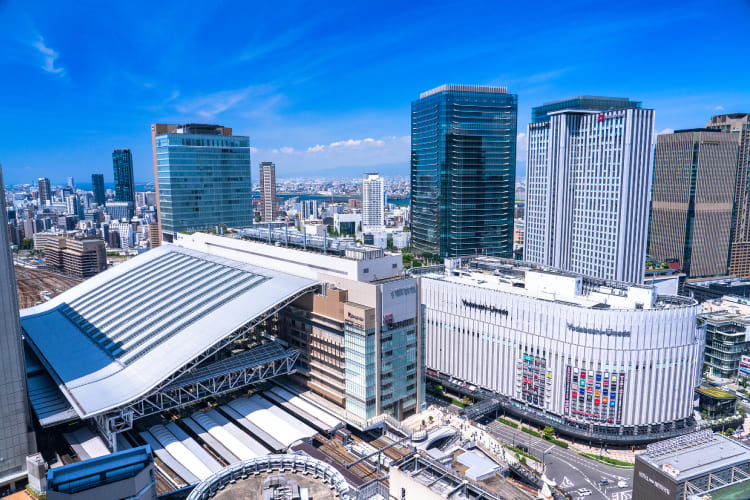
<point>118,335</point>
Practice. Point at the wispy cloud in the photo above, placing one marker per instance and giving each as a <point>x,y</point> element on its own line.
<point>667,131</point>
<point>719,108</point>
<point>210,105</point>
<point>50,57</point>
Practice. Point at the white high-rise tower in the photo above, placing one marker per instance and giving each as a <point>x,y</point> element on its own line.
<point>589,177</point>
<point>16,433</point>
<point>373,202</point>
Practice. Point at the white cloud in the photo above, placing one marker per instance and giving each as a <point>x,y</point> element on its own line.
<point>315,149</point>
<point>253,150</point>
<point>210,105</point>
<point>50,56</point>
<point>719,108</point>
<point>287,150</point>
<point>667,131</point>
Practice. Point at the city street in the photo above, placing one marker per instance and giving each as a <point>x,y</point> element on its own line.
<point>570,470</point>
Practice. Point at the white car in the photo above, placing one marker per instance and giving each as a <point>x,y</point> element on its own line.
<point>584,492</point>
<point>622,483</point>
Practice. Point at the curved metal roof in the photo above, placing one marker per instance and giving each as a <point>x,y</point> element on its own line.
<point>116,336</point>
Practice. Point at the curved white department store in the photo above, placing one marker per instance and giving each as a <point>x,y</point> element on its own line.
<point>594,358</point>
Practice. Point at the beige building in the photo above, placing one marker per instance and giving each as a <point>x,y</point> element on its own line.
<point>738,124</point>
<point>81,258</point>
<point>268,191</point>
<point>691,206</point>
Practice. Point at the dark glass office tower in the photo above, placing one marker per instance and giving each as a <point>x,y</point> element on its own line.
<point>122,162</point>
<point>97,185</point>
<point>463,171</point>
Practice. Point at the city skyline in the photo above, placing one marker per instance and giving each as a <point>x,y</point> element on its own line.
<point>294,91</point>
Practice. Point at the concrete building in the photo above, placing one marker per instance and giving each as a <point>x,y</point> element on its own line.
<point>122,165</point>
<point>696,466</point>
<point>463,171</point>
<point>154,236</point>
<point>45,191</point>
<point>16,433</point>
<point>588,192</point>
<point>268,208</point>
<point>125,474</point>
<point>97,185</point>
<point>126,233</point>
<point>716,288</point>
<point>81,258</point>
<point>203,178</point>
<point>347,223</point>
<point>739,124</point>
<point>593,358</point>
<point>692,199</point>
<point>373,203</point>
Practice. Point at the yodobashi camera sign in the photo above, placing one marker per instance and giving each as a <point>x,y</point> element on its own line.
<point>399,300</point>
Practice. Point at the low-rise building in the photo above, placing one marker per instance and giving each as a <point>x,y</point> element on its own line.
<point>727,335</point>
<point>695,466</point>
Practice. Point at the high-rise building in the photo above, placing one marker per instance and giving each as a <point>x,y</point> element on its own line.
<point>202,177</point>
<point>71,183</point>
<point>691,201</point>
<point>122,163</point>
<point>74,206</point>
<point>582,102</point>
<point>119,210</point>
<point>463,171</point>
<point>588,192</point>
<point>45,191</point>
<point>739,252</point>
<point>267,191</point>
<point>97,185</point>
<point>16,433</point>
<point>154,236</point>
<point>373,202</point>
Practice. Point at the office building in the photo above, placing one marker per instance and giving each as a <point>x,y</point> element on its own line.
<point>120,210</point>
<point>582,102</point>
<point>709,289</point>
<point>373,203</point>
<point>122,163</point>
<point>74,206</point>
<point>77,257</point>
<point>739,255</point>
<point>463,171</point>
<point>16,433</point>
<point>595,359</point>
<point>125,232</point>
<point>45,192</point>
<point>268,210</point>
<point>727,321</point>
<point>588,192</point>
<point>691,201</point>
<point>202,178</point>
<point>97,184</point>
<point>696,466</point>
<point>125,474</point>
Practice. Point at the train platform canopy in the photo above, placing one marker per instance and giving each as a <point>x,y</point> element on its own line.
<point>120,334</point>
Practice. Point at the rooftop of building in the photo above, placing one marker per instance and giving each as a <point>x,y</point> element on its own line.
<point>695,455</point>
<point>727,308</point>
<point>720,282</point>
<point>715,392</point>
<point>548,283</point>
<point>464,88</point>
<point>96,472</point>
<point>623,100</point>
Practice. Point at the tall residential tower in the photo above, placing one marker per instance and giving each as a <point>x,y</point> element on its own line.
<point>202,177</point>
<point>588,191</point>
<point>373,202</point>
<point>16,433</point>
<point>739,259</point>
<point>691,205</point>
<point>122,164</point>
<point>268,191</point>
<point>463,171</point>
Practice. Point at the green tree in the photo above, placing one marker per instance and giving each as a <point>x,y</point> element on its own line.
<point>27,244</point>
<point>730,432</point>
<point>548,432</point>
<point>466,400</point>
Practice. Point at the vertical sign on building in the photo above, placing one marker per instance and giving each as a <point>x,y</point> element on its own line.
<point>567,390</point>
<point>620,387</point>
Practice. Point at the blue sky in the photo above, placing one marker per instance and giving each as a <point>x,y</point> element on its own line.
<point>325,88</point>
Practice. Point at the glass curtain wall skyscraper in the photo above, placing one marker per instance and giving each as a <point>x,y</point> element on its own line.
<point>122,164</point>
<point>203,178</point>
<point>97,185</point>
<point>463,171</point>
<point>45,191</point>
